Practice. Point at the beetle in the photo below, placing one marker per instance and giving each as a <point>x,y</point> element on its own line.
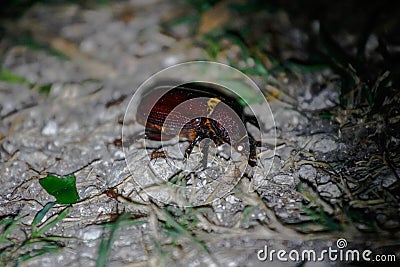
<point>158,154</point>
<point>157,112</point>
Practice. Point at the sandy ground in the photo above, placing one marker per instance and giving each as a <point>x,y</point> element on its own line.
<point>107,53</point>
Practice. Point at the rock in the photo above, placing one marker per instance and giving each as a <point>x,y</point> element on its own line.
<point>308,173</point>
<point>284,179</point>
<point>329,190</point>
<point>51,128</point>
<point>324,144</point>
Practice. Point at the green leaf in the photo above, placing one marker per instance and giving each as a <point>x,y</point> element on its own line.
<point>63,189</point>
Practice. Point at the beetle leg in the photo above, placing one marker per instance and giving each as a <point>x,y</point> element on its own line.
<point>253,120</point>
<point>253,151</point>
<point>191,146</point>
<point>253,144</point>
<point>205,150</point>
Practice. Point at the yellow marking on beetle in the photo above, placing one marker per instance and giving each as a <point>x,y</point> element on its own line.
<point>211,104</point>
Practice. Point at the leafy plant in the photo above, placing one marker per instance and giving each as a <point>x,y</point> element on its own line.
<point>14,249</point>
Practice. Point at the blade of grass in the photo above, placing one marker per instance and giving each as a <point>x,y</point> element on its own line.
<point>32,44</point>
<point>247,212</point>
<point>40,215</point>
<point>181,230</point>
<point>47,248</point>
<point>10,77</point>
<point>51,223</point>
<point>106,242</point>
<point>10,224</point>
<point>321,217</point>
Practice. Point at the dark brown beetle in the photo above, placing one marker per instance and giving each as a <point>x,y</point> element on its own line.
<point>160,103</point>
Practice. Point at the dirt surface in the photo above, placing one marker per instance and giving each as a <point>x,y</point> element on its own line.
<point>68,74</point>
